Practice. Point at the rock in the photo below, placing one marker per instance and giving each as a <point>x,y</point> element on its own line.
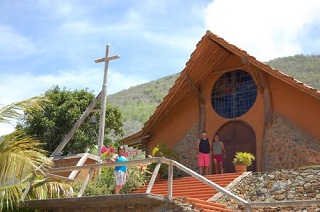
<point>292,184</point>
<point>280,197</point>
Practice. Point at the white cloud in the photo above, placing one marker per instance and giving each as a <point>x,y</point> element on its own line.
<point>15,88</point>
<point>14,45</point>
<point>265,30</point>
<point>187,44</point>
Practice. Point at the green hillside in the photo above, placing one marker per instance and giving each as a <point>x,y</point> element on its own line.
<point>139,102</point>
<point>303,68</point>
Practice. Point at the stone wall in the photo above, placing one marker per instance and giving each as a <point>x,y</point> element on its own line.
<point>286,146</point>
<point>282,185</point>
<point>188,150</point>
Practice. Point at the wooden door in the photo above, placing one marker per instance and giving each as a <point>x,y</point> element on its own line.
<point>237,136</point>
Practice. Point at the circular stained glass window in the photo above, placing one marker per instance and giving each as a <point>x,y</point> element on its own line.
<point>233,94</point>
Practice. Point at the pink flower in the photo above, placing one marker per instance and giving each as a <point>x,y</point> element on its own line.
<point>103,149</point>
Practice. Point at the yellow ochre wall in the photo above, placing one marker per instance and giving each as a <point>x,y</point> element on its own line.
<point>301,108</point>
<point>176,123</point>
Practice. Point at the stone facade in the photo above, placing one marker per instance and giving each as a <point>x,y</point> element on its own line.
<point>287,146</point>
<point>188,151</point>
<point>282,185</point>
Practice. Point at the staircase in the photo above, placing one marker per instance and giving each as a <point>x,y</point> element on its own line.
<point>194,191</point>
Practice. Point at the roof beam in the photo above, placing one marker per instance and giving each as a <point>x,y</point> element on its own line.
<point>193,87</point>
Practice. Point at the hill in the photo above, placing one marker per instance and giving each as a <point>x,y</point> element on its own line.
<point>303,68</point>
<point>139,102</point>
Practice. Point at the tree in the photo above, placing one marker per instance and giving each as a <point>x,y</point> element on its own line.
<point>20,157</point>
<point>60,113</point>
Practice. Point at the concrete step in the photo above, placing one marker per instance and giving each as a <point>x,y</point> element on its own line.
<point>180,187</point>
<point>206,206</point>
<point>193,190</point>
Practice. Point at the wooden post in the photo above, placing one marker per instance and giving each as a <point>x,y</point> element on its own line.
<point>70,134</point>
<point>81,162</point>
<point>104,97</point>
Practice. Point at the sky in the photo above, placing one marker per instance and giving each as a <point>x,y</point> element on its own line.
<point>44,43</point>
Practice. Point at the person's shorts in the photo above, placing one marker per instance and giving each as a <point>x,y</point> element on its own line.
<point>204,159</point>
<point>120,177</point>
<point>219,158</point>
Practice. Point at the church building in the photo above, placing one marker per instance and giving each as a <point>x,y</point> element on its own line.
<point>253,108</point>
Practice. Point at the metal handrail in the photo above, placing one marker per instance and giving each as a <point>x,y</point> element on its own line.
<point>171,163</point>
<point>159,161</point>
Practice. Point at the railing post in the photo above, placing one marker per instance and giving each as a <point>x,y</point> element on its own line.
<point>85,183</point>
<point>154,175</point>
<point>81,162</point>
<point>170,180</point>
<point>28,187</point>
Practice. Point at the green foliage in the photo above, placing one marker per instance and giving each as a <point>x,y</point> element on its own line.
<point>137,176</point>
<point>162,150</point>
<point>243,158</point>
<point>139,102</point>
<point>20,156</point>
<point>102,184</point>
<point>60,113</point>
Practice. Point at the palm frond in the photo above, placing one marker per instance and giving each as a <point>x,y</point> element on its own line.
<point>20,156</point>
<point>13,111</point>
<point>9,195</point>
<point>46,188</point>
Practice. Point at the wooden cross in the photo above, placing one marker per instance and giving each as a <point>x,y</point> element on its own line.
<point>106,60</point>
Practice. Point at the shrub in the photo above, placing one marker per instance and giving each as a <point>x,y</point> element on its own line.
<point>243,158</point>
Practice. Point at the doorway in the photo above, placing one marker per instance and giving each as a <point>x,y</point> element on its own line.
<point>237,136</point>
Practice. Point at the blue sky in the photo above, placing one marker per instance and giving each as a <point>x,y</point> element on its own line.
<point>55,42</point>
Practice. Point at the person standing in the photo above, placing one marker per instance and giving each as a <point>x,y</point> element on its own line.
<point>120,172</point>
<point>204,146</point>
<point>218,154</point>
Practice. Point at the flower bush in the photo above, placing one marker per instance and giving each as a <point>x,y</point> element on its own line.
<point>103,184</point>
<point>107,152</point>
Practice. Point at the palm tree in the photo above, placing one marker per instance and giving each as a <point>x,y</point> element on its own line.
<point>21,157</point>
<point>13,111</point>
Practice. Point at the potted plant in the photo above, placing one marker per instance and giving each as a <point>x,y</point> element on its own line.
<point>242,160</point>
<point>162,150</point>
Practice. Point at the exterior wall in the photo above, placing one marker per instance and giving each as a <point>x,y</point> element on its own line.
<point>291,141</point>
<point>177,123</point>
<point>288,146</point>
<point>297,106</point>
